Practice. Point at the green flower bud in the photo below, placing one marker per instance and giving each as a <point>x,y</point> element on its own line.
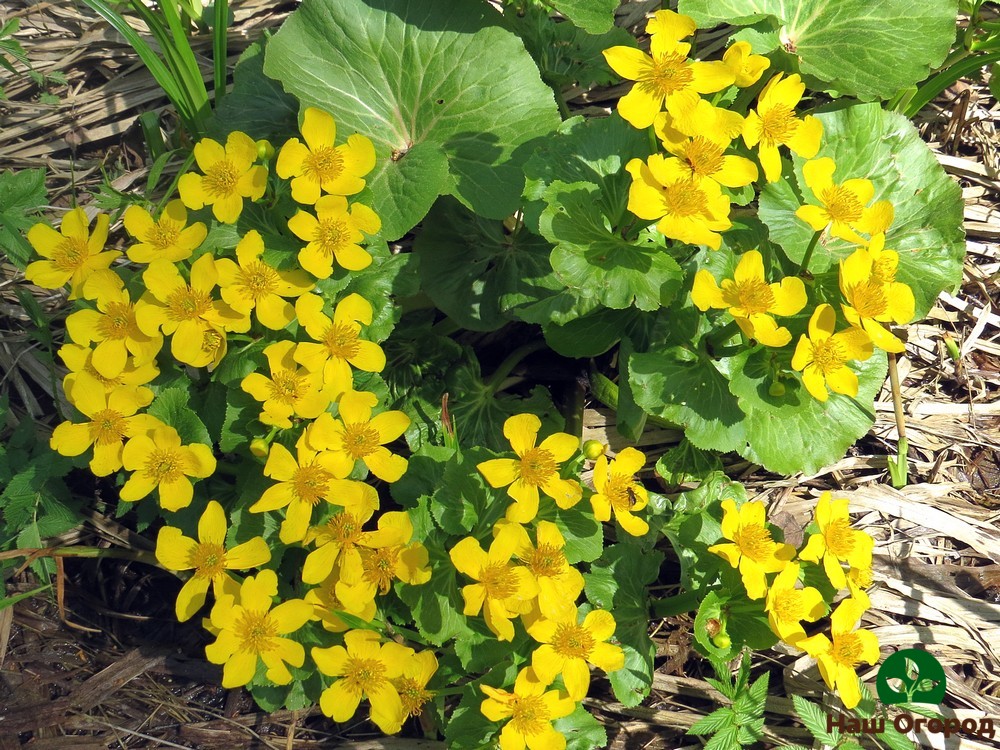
<point>722,640</point>
<point>777,388</point>
<point>259,447</point>
<point>264,149</point>
<point>593,449</point>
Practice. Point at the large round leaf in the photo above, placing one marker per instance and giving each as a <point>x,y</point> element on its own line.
<point>865,141</point>
<point>444,92</point>
<point>868,49</point>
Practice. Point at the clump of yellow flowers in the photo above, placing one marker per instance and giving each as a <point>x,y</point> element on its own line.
<point>688,193</point>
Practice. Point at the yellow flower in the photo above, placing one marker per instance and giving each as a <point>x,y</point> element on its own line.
<point>838,659</point>
<point>340,345</point>
<point>365,669</point>
<point>168,237</point>
<point>747,67</point>
<point>355,435</point>
<point>387,555</point>
<point>774,124</point>
<point>80,360</point>
<point>822,357</point>
<point>337,540</point>
<point>531,710</point>
<point>71,254</point>
<point>666,75</point>
<point>333,234</point>
<point>319,164</point>
<point>691,210</point>
<point>535,468</point>
<point>208,558</point>
<point>859,579</point>
<point>113,419</point>
<point>112,326</point>
<point>505,590</point>
<point>568,646</point>
<point>158,460</point>
<point>289,391</point>
<point>302,483</point>
<point>559,583</point>
<point>842,207</point>
<point>751,300</point>
<point>873,296</point>
<point>185,311</point>
<point>254,285</point>
<point>326,605</point>
<point>230,176</point>
<point>837,542</point>
<point>787,605</point>
<point>701,150</point>
<point>617,490</point>
<point>250,630</point>
<point>752,549</point>
<point>412,684</point>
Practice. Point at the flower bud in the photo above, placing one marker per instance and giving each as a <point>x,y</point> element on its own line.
<point>264,149</point>
<point>593,449</point>
<point>259,447</point>
<point>776,389</point>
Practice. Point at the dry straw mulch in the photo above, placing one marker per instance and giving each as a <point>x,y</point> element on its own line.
<point>106,666</point>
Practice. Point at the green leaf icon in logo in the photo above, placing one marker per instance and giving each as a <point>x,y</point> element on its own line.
<point>919,673</point>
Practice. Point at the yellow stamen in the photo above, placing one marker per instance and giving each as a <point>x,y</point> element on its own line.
<point>325,164</point>
<point>255,631</point>
<point>208,560</point>
<point>572,641</point>
<point>499,581</point>
<point>341,341</point>
<point>221,179</point>
<point>538,466</point>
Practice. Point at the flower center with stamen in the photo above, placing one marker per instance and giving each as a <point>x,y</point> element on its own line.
<point>669,72</point>
<point>777,125</point>
<point>538,466</point>
<point>869,299</point>
<point>412,694</point>
<point>331,235</point>
<point>287,386</point>
<point>341,341</point>
<point>163,234</point>
<point>789,605</point>
<point>829,355</point>
<point>325,164</point>
<point>530,714</point>
<point>499,581</point>
<point>683,198</point>
<point>847,649</point>
<point>703,157</point>
<point>211,340</point>
<point>753,295</point>
<point>862,577</point>
<point>363,675</point>
<point>841,204</point>
<point>118,322</point>
<point>70,254</point>
<point>360,439</point>
<point>108,383</point>
<point>754,542</point>
<point>164,465</point>
<point>310,482</point>
<point>258,280</point>
<point>343,528</point>
<point>884,268</point>
<point>255,631</point>
<point>108,427</point>
<point>840,537</point>
<point>208,560</point>
<point>546,561</point>
<point>186,303</point>
<point>572,641</point>
<point>617,492</point>
<point>380,566</point>
<point>221,179</point>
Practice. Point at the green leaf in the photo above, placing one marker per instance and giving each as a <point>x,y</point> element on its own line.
<point>711,609</point>
<point>387,69</point>
<point>678,386</point>
<point>867,142</point>
<point>256,105</point>
<point>581,730</point>
<point>590,335</point>
<point>240,362</point>
<point>467,728</point>
<point>436,605</point>
<point>594,16</point>
<point>814,719</point>
<point>856,47</point>
<point>720,718</point>
<point>387,280</point>
<point>687,463</point>
<point>475,271</point>
<point>794,432</point>
<point>725,739</point>
<point>22,194</point>
<point>594,261</point>
<point>171,407</point>
<point>584,535</point>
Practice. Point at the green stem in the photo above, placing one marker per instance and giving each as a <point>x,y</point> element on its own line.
<point>89,552</point>
<point>804,268</point>
<point>501,373</point>
<point>654,143</point>
<point>605,391</point>
<point>725,333</point>
<point>898,466</point>
<point>672,606</point>
<point>220,48</point>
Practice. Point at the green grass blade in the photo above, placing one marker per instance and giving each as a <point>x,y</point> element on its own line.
<point>220,27</point>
